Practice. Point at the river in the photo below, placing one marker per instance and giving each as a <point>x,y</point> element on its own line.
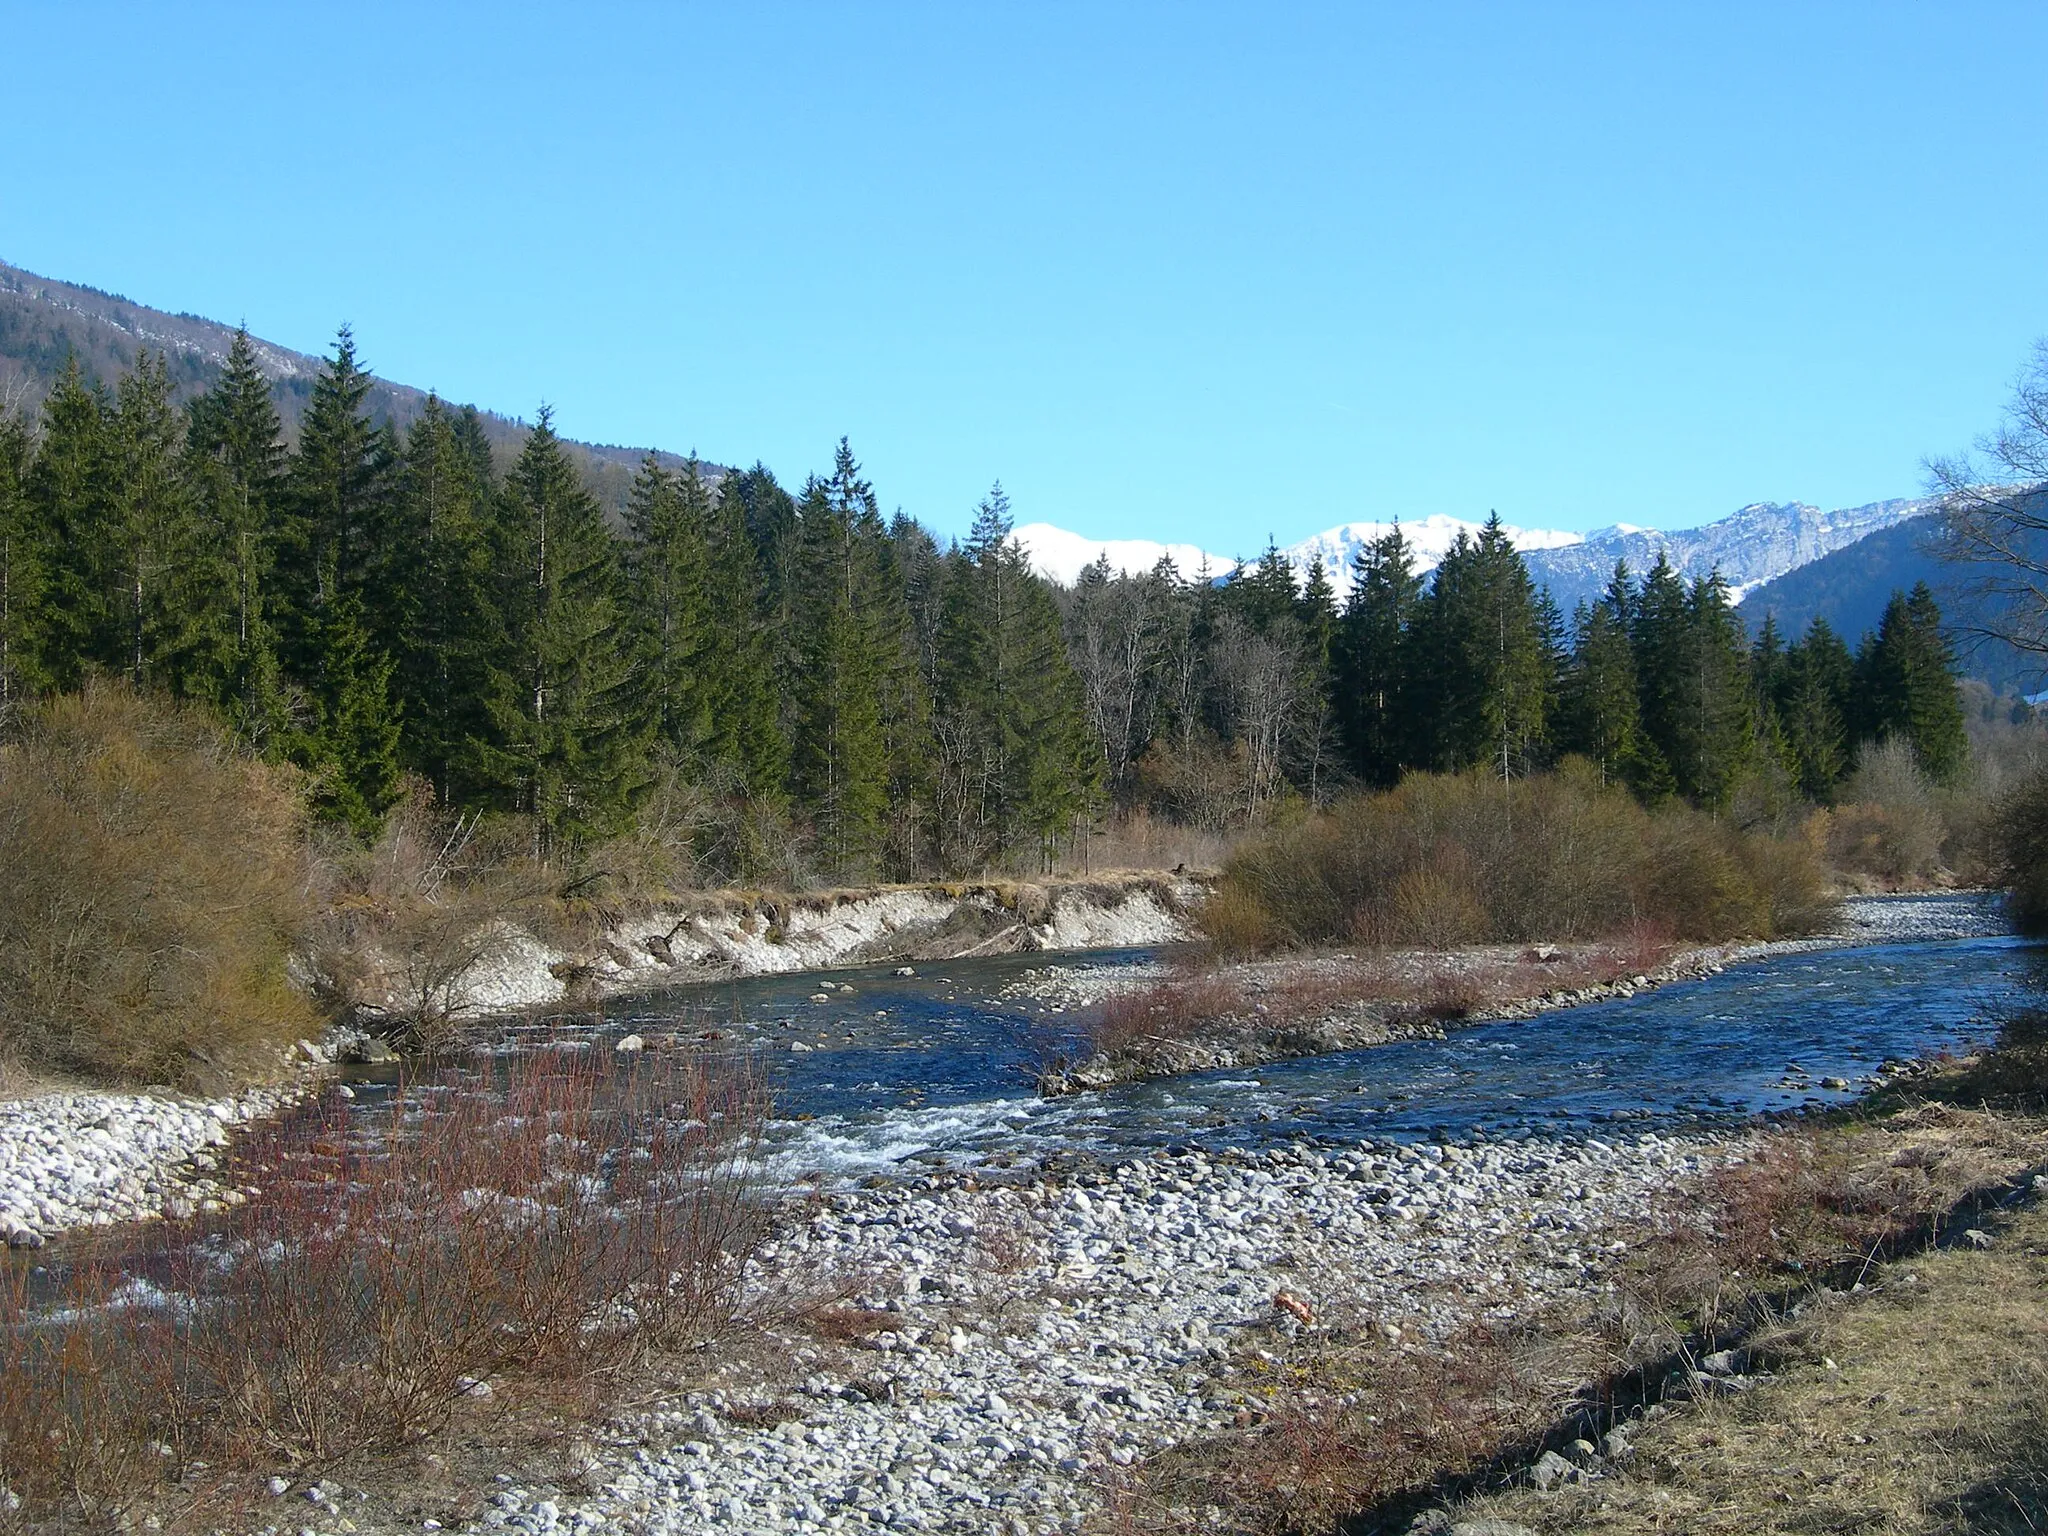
<point>871,1070</point>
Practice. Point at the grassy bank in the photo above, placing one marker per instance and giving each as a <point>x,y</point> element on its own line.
<point>1843,1331</point>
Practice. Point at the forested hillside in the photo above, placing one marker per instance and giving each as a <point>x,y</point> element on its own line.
<point>45,323</point>
<point>786,686</point>
<point>1849,589</point>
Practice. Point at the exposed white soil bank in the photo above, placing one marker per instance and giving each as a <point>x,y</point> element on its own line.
<point>725,934</point>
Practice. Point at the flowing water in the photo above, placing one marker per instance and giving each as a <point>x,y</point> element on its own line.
<point>889,1071</point>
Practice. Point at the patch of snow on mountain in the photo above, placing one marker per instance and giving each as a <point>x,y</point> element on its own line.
<point>1429,540</point>
<point>1060,556</point>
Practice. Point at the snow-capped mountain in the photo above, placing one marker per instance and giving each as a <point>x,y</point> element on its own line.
<point>1429,540</point>
<point>1749,547</point>
<point>1061,556</point>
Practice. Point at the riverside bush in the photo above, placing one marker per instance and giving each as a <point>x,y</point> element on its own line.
<point>1449,859</point>
<point>154,877</point>
<point>558,1229</point>
<point>2021,853</point>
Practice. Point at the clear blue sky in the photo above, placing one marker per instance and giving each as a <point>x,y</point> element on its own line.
<point>1168,271</point>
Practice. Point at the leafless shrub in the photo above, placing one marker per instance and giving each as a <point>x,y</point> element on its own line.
<point>559,1227</point>
<point>408,925</point>
<point>154,878</point>
<point>1449,860</point>
<point>1174,1009</point>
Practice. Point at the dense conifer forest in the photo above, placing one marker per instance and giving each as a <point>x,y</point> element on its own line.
<point>809,690</point>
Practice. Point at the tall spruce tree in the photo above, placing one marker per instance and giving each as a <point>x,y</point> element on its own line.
<point>1479,650</point>
<point>577,754</point>
<point>167,563</point>
<point>1717,718</point>
<point>1599,709</point>
<point>1906,685</point>
<point>68,502</point>
<point>1374,693</point>
<point>746,741</point>
<point>1011,733</point>
<point>1660,633</point>
<point>334,628</point>
<point>24,562</point>
<point>668,565</point>
<point>1317,749</point>
<point>440,612</point>
<point>236,464</point>
<point>839,760</point>
<point>1812,701</point>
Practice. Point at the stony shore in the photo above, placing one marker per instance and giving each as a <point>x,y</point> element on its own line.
<point>90,1158</point>
<point>1019,1342</point>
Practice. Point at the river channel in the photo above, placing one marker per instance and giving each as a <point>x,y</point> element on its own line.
<point>874,1073</point>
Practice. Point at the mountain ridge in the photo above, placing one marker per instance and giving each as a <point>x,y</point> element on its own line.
<point>1755,544</point>
<point>44,320</point>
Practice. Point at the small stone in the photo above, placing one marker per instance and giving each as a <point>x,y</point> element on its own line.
<point>1551,1469</point>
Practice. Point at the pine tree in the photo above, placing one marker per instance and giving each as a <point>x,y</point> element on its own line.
<point>1009,708</point>
<point>1374,707</point>
<point>451,672</point>
<point>353,748</point>
<point>577,758</point>
<point>1717,720</point>
<point>338,485</point>
<point>24,561</point>
<point>236,463</point>
<point>166,566</point>
<point>1599,709</point>
<point>1906,688</point>
<point>668,569</point>
<point>1479,651</point>
<point>334,625</point>
<point>840,766</point>
<point>746,740</point>
<point>1317,750</point>
<point>1816,710</point>
<point>68,501</point>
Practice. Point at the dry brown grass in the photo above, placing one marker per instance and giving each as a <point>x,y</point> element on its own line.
<point>154,880</point>
<point>1931,1420</point>
<point>1919,1410</point>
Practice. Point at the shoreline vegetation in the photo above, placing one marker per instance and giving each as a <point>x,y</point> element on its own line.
<point>1466,898</point>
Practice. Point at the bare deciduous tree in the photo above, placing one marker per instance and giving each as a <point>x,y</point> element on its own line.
<point>1995,519</point>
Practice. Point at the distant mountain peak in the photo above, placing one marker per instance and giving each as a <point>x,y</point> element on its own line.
<point>1752,545</point>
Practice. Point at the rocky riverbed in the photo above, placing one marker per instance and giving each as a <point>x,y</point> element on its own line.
<point>1015,1343</point>
<point>93,1159</point>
